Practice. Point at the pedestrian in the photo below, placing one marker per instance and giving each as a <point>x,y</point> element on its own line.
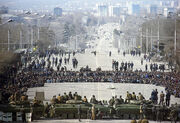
<point>168,97</point>
<point>161,98</point>
<point>146,67</point>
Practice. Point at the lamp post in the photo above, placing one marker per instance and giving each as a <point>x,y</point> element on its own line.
<point>10,20</point>
<point>175,37</point>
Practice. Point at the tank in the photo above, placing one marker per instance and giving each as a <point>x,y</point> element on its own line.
<point>70,110</point>
<point>133,109</point>
<point>22,108</point>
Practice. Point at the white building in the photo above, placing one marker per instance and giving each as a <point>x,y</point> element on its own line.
<point>102,10</point>
<point>114,11</point>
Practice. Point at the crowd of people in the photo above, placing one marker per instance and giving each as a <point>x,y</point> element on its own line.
<point>35,70</point>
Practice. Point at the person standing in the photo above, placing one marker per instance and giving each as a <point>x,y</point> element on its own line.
<point>168,97</point>
<point>79,112</point>
<point>93,111</point>
<point>146,67</point>
<point>161,98</point>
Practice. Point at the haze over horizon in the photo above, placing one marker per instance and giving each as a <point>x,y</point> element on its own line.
<point>47,4</point>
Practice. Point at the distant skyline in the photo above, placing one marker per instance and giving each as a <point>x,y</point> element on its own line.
<point>50,4</point>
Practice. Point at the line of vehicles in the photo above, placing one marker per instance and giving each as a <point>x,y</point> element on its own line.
<point>74,109</point>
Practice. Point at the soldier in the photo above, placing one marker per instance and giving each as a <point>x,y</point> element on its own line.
<point>16,96</point>
<point>173,114</point>
<point>54,100</point>
<point>140,97</point>
<point>121,100</point>
<point>154,113</point>
<point>93,100</point>
<point>145,120</point>
<point>111,101</point>
<point>93,111</point>
<point>141,111</point>
<point>46,110</point>
<point>133,121</point>
<point>22,110</point>
<point>35,101</point>
<point>79,112</point>
<point>59,98</point>
<point>65,97</point>
<point>23,98</point>
<point>128,97</point>
<point>99,114</point>
<point>85,99</point>
<point>161,98</point>
<point>11,99</point>
<point>116,101</point>
<point>133,96</point>
<point>139,121</point>
<point>70,96</point>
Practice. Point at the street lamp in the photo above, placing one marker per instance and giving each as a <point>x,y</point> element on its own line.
<point>8,21</point>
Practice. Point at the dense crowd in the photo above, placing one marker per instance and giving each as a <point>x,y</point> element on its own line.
<point>36,70</point>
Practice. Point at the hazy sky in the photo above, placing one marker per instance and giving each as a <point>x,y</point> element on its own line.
<point>49,4</point>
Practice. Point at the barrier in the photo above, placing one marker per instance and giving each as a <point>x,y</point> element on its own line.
<point>28,117</point>
<point>18,116</point>
<point>4,117</point>
<point>9,117</point>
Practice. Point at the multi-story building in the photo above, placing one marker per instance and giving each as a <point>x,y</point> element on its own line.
<point>134,9</point>
<point>152,9</point>
<point>114,11</point>
<point>102,10</point>
<point>58,11</point>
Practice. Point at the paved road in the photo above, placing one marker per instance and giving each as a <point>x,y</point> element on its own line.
<point>91,121</point>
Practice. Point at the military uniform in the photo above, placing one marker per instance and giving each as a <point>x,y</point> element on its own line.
<point>85,99</point>
<point>133,96</point>
<point>93,115</point>
<point>35,101</point>
<point>46,110</point>
<point>93,100</point>
<point>145,121</point>
<point>128,97</point>
<point>59,98</point>
<point>23,98</point>
<point>54,100</point>
<point>140,97</point>
<point>139,121</point>
<point>11,99</point>
<point>111,101</point>
<point>133,121</point>
<point>173,115</point>
<point>121,100</point>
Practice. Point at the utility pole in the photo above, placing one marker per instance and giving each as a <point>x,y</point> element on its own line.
<point>151,40</point>
<point>158,36</point>
<point>31,37</point>
<point>76,42</point>
<point>146,40</point>
<point>20,37</point>
<point>175,38</point>
<point>38,33</point>
<point>8,40</point>
<point>141,39</point>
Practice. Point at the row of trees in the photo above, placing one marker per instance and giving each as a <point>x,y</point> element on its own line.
<point>166,43</point>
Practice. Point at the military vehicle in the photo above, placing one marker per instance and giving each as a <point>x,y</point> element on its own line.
<point>73,108</point>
